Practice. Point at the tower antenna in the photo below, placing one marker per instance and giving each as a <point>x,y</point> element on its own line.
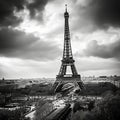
<point>66,7</point>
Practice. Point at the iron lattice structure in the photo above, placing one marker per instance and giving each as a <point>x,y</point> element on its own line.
<point>67,60</point>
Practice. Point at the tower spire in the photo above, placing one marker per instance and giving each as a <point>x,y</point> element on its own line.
<point>65,7</point>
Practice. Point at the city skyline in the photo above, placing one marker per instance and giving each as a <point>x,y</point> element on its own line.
<point>32,36</point>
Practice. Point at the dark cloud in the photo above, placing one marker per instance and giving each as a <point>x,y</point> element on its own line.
<point>36,8</point>
<point>91,15</point>
<point>103,51</point>
<point>104,13</point>
<point>7,8</point>
<point>14,43</point>
<point>107,12</point>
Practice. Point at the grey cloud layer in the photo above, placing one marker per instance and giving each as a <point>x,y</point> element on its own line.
<point>14,43</point>
<point>104,51</point>
<point>7,8</point>
<point>104,13</point>
<point>36,7</point>
<point>96,15</point>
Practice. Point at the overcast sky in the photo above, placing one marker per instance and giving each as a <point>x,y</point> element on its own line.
<point>31,37</point>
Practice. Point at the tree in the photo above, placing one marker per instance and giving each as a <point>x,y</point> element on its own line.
<point>107,109</point>
<point>77,106</point>
<point>12,115</point>
<point>110,108</point>
<point>91,105</point>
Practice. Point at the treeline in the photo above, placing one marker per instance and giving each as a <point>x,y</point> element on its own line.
<point>28,90</point>
<point>97,89</point>
<point>35,89</point>
<point>17,114</point>
<point>106,109</point>
<point>7,94</point>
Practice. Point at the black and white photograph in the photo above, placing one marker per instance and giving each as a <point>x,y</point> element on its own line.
<point>59,59</point>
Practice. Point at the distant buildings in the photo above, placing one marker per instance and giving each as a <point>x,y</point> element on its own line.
<point>115,80</point>
<point>112,79</point>
<point>8,84</point>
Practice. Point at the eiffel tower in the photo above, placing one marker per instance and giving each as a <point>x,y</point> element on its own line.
<point>67,60</point>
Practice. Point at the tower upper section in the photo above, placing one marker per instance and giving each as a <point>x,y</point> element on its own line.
<point>66,14</point>
<point>67,52</point>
